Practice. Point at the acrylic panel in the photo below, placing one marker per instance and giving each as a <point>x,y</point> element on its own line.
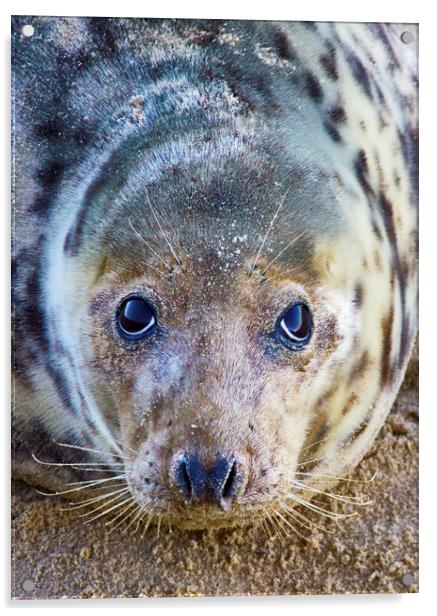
<point>214,283</point>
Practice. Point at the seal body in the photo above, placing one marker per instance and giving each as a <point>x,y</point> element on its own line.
<point>222,172</point>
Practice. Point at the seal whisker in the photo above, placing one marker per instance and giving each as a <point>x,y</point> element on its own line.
<point>123,514</point>
<point>141,519</point>
<point>350,500</point>
<point>322,440</point>
<point>288,523</point>
<point>317,475</point>
<point>179,262</point>
<point>140,237</point>
<point>92,500</point>
<point>115,496</point>
<point>80,448</point>
<point>272,222</point>
<point>136,513</point>
<point>293,241</point>
<point>309,461</point>
<point>146,525</point>
<point>127,513</point>
<point>277,525</point>
<point>107,486</point>
<point>269,523</point>
<point>264,527</point>
<point>97,470</point>
<point>282,273</point>
<point>116,506</point>
<point>80,487</point>
<point>310,505</point>
<point>158,526</point>
<point>281,532</point>
<point>302,519</point>
<point>95,481</point>
<point>77,464</point>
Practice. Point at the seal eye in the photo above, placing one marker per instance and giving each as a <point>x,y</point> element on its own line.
<point>295,325</point>
<point>136,318</point>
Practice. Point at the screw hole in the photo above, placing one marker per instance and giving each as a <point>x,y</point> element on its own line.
<point>28,585</point>
<point>407,38</point>
<point>28,30</point>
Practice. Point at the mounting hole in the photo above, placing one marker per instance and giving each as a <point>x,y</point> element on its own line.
<point>28,585</point>
<point>28,30</point>
<point>407,579</point>
<point>407,37</point>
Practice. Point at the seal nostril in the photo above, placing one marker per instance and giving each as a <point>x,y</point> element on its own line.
<point>228,486</point>
<point>216,485</point>
<point>186,479</point>
<point>183,479</point>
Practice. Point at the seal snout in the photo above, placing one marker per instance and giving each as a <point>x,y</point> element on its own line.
<point>218,485</point>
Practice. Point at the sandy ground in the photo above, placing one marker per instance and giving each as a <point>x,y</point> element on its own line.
<point>56,556</point>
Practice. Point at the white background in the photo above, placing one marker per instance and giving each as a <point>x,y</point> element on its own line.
<point>332,10</point>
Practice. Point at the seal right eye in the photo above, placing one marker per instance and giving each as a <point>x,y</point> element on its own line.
<point>136,318</point>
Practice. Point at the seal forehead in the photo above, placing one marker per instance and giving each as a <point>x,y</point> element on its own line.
<point>244,210</point>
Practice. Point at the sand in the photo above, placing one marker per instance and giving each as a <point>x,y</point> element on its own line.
<point>56,556</point>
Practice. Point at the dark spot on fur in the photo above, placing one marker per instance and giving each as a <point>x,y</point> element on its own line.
<point>353,399</point>
<point>359,430</point>
<point>51,129</point>
<point>203,38</point>
<point>337,114</point>
<point>409,138</point>
<point>360,74</point>
<point>358,295</point>
<point>376,230</point>
<point>100,28</point>
<point>50,174</point>
<point>207,74</point>
<point>329,63</point>
<point>377,260</point>
<point>283,46</point>
<point>386,209</point>
<point>382,36</point>
<point>332,131</point>
<point>322,431</point>
<point>359,369</point>
<point>380,95</point>
<point>362,173</point>
<point>313,87</point>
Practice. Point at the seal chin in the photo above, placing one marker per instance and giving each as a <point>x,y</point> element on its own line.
<point>202,517</point>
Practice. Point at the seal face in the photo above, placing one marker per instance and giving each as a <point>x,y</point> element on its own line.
<point>215,258</point>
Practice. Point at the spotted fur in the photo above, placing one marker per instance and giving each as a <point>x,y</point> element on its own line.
<point>223,168</point>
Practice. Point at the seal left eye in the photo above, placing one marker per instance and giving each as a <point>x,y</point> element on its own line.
<point>136,318</point>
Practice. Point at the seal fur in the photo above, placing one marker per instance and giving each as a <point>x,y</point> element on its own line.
<point>222,169</point>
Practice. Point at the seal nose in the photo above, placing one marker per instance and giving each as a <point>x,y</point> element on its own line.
<point>217,485</point>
